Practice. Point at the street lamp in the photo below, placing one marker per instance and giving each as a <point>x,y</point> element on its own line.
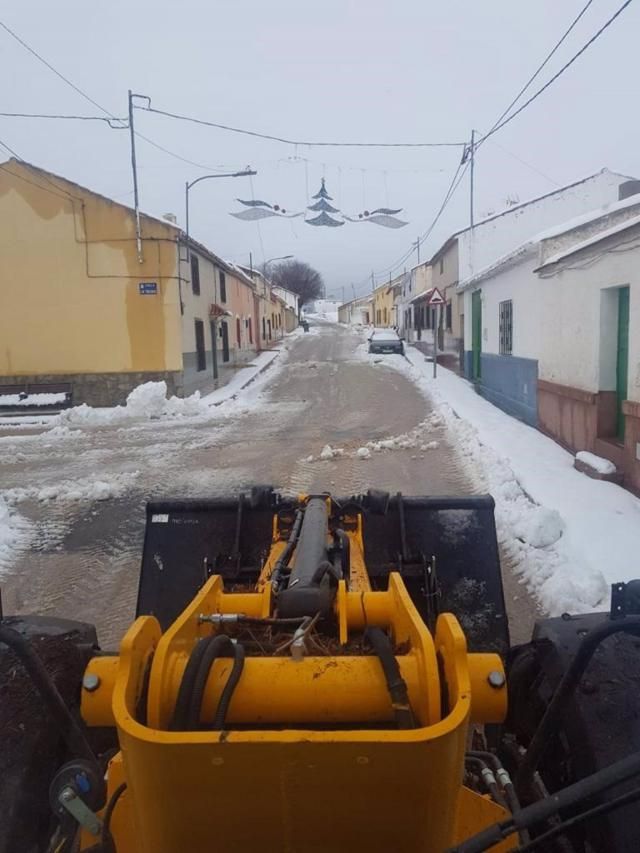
<point>189,184</point>
<point>271,260</point>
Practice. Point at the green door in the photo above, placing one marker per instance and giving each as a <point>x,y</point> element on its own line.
<point>622,362</point>
<point>476,332</point>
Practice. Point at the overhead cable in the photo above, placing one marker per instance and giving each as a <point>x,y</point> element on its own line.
<point>542,65</point>
<point>309,143</point>
<point>552,80</point>
<point>87,97</point>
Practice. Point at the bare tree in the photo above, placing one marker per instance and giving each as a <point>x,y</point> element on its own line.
<point>300,278</point>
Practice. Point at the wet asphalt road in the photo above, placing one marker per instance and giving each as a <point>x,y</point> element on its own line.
<point>83,558</point>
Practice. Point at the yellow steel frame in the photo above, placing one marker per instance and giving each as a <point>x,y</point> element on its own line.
<point>311,760</point>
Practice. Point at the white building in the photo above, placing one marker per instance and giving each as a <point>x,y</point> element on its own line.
<point>558,320</point>
<point>496,237</point>
<point>358,312</point>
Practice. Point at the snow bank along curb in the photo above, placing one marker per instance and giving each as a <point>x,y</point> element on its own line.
<point>14,533</point>
<point>239,382</point>
<point>567,536</point>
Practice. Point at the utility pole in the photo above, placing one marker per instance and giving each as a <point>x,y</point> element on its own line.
<point>373,283</point>
<point>136,199</point>
<point>343,294</point>
<point>353,288</point>
<point>471,176</point>
<point>417,245</point>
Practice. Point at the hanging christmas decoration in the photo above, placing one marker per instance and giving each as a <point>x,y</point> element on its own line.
<point>323,205</point>
<point>328,215</point>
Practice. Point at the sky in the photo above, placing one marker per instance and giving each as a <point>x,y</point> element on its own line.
<point>331,70</point>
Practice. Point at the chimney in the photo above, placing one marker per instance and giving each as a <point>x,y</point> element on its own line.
<point>627,189</point>
<point>170,217</point>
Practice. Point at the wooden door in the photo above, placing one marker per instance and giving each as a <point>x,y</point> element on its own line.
<point>476,333</point>
<point>622,358</point>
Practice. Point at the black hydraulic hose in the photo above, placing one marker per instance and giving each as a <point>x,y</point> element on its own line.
<point>106,837</point>
<point>283,559</point>
<point>324,567</point>
<point>570,796</point>
<point>42,681</point>
<point>603,808</point>
<point>230,686</point>
<point>548,726</point>
<point>185,691</point>
<point>267,620</point>
<point>219,646</point>
<point>501,774</point>
<point>490,783</point>
<point>395,682</point>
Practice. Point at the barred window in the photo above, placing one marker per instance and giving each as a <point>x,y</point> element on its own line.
<point>506,327</point>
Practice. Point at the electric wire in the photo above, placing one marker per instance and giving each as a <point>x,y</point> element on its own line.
<point>104,119</point>
<point>499,125</point>
<point>308,143</point>
<point>95,103</point>
<point>542,65</point>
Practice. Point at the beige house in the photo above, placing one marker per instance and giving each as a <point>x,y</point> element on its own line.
<point>219,317</point>
<point>85,304</point>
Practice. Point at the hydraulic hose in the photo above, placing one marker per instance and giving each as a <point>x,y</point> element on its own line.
<point>218,646</point>
<point>179,722</point>
<point>549,724</point>
<point>230,686</point>
<point>567,797</point>
<point>395,683</point>
<point>283,560</point>
<point>42,681</point>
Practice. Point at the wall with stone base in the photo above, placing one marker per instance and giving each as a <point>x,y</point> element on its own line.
<point>102,389</point>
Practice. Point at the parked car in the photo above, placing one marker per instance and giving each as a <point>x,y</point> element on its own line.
<point>385,341</point>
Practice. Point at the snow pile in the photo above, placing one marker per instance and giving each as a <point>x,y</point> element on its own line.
<point>14,533</point>
<point>329,452</point>
<point>146,402</point>
<point>102,489</point>
<point>602,466</point>
<point>363,453</point>
<point>569,537</point>
<point>539,527</point>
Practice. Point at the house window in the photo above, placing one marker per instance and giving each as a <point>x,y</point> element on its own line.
<point>195,275</point>
<point>441,265</point>
<point>449,317</point>
<point>238,332</point>
<point>264,329</point>
<point>201,357</point>
<point>506,327</point>
<point>250,330</point>
<point>223,287</point>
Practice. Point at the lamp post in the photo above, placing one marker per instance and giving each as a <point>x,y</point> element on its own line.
<point>271,260</point>
<point>190,184</point>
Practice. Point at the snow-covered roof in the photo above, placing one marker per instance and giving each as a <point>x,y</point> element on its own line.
<point>451,239</point>
<point>513,257</point>
<point>530,246</point>
<point>619,227</point>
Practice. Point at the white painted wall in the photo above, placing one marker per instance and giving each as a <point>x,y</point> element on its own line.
<point>481,246</point>
<point>572,353</point>
<point>519,284</point>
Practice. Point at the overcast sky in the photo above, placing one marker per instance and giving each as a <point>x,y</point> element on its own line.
<point>364,71</point>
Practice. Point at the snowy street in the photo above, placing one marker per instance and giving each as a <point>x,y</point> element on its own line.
<point>324,415</point>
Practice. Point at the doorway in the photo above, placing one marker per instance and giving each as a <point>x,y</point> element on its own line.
<point>476,334</point>
<point>622,358</point>
<point>224,331</point>
<point>201,357</point>
<point>214,347</point>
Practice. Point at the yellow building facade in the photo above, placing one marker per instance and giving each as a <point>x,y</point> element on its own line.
<point>384,314</point>
<point>80,302</point>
